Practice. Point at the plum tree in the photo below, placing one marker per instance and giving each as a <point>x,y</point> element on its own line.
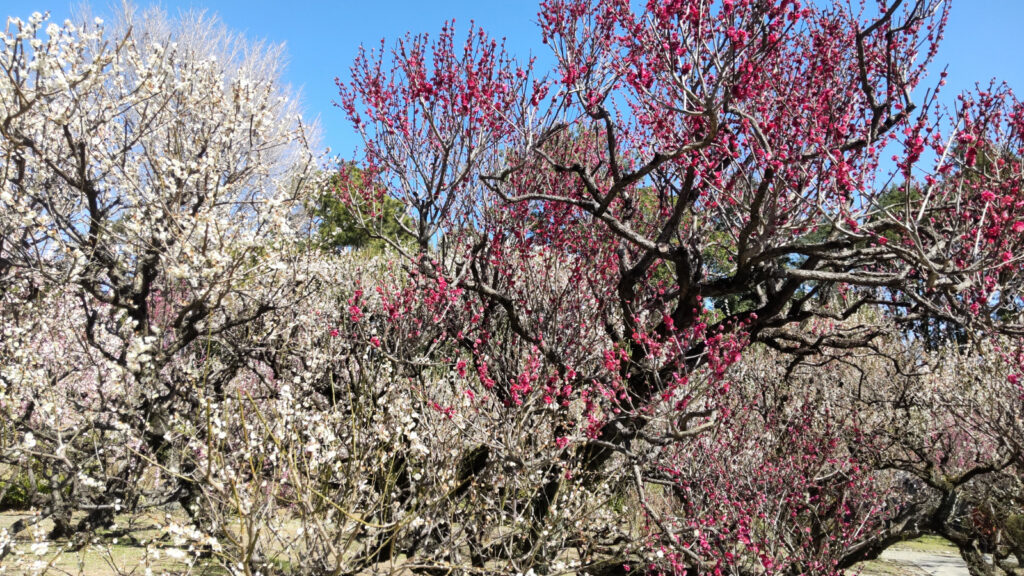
<point>758,126</point>
<point>151,179</point>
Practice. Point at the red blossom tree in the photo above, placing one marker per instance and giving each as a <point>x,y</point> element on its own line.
<point>693,177</point>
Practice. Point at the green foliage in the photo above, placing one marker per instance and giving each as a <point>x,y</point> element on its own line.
<point>18,491</point>
<point>1014,529</point>
<point>895,200</point>
<point>339,227</point>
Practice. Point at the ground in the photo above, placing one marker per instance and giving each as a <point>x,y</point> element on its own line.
<point>922,557</point>
<point>925,556</point>
<point>146,547</point>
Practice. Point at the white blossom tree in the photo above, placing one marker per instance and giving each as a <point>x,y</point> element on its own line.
<point>152,177</point>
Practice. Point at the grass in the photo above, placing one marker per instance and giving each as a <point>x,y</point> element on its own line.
<point>139,544</point>
<point>929,543</point>
<point>886,568</point>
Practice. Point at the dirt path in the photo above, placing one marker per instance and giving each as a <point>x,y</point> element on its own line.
<point>930,562</point>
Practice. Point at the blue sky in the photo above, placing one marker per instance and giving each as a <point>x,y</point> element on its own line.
<point>983,39</point>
